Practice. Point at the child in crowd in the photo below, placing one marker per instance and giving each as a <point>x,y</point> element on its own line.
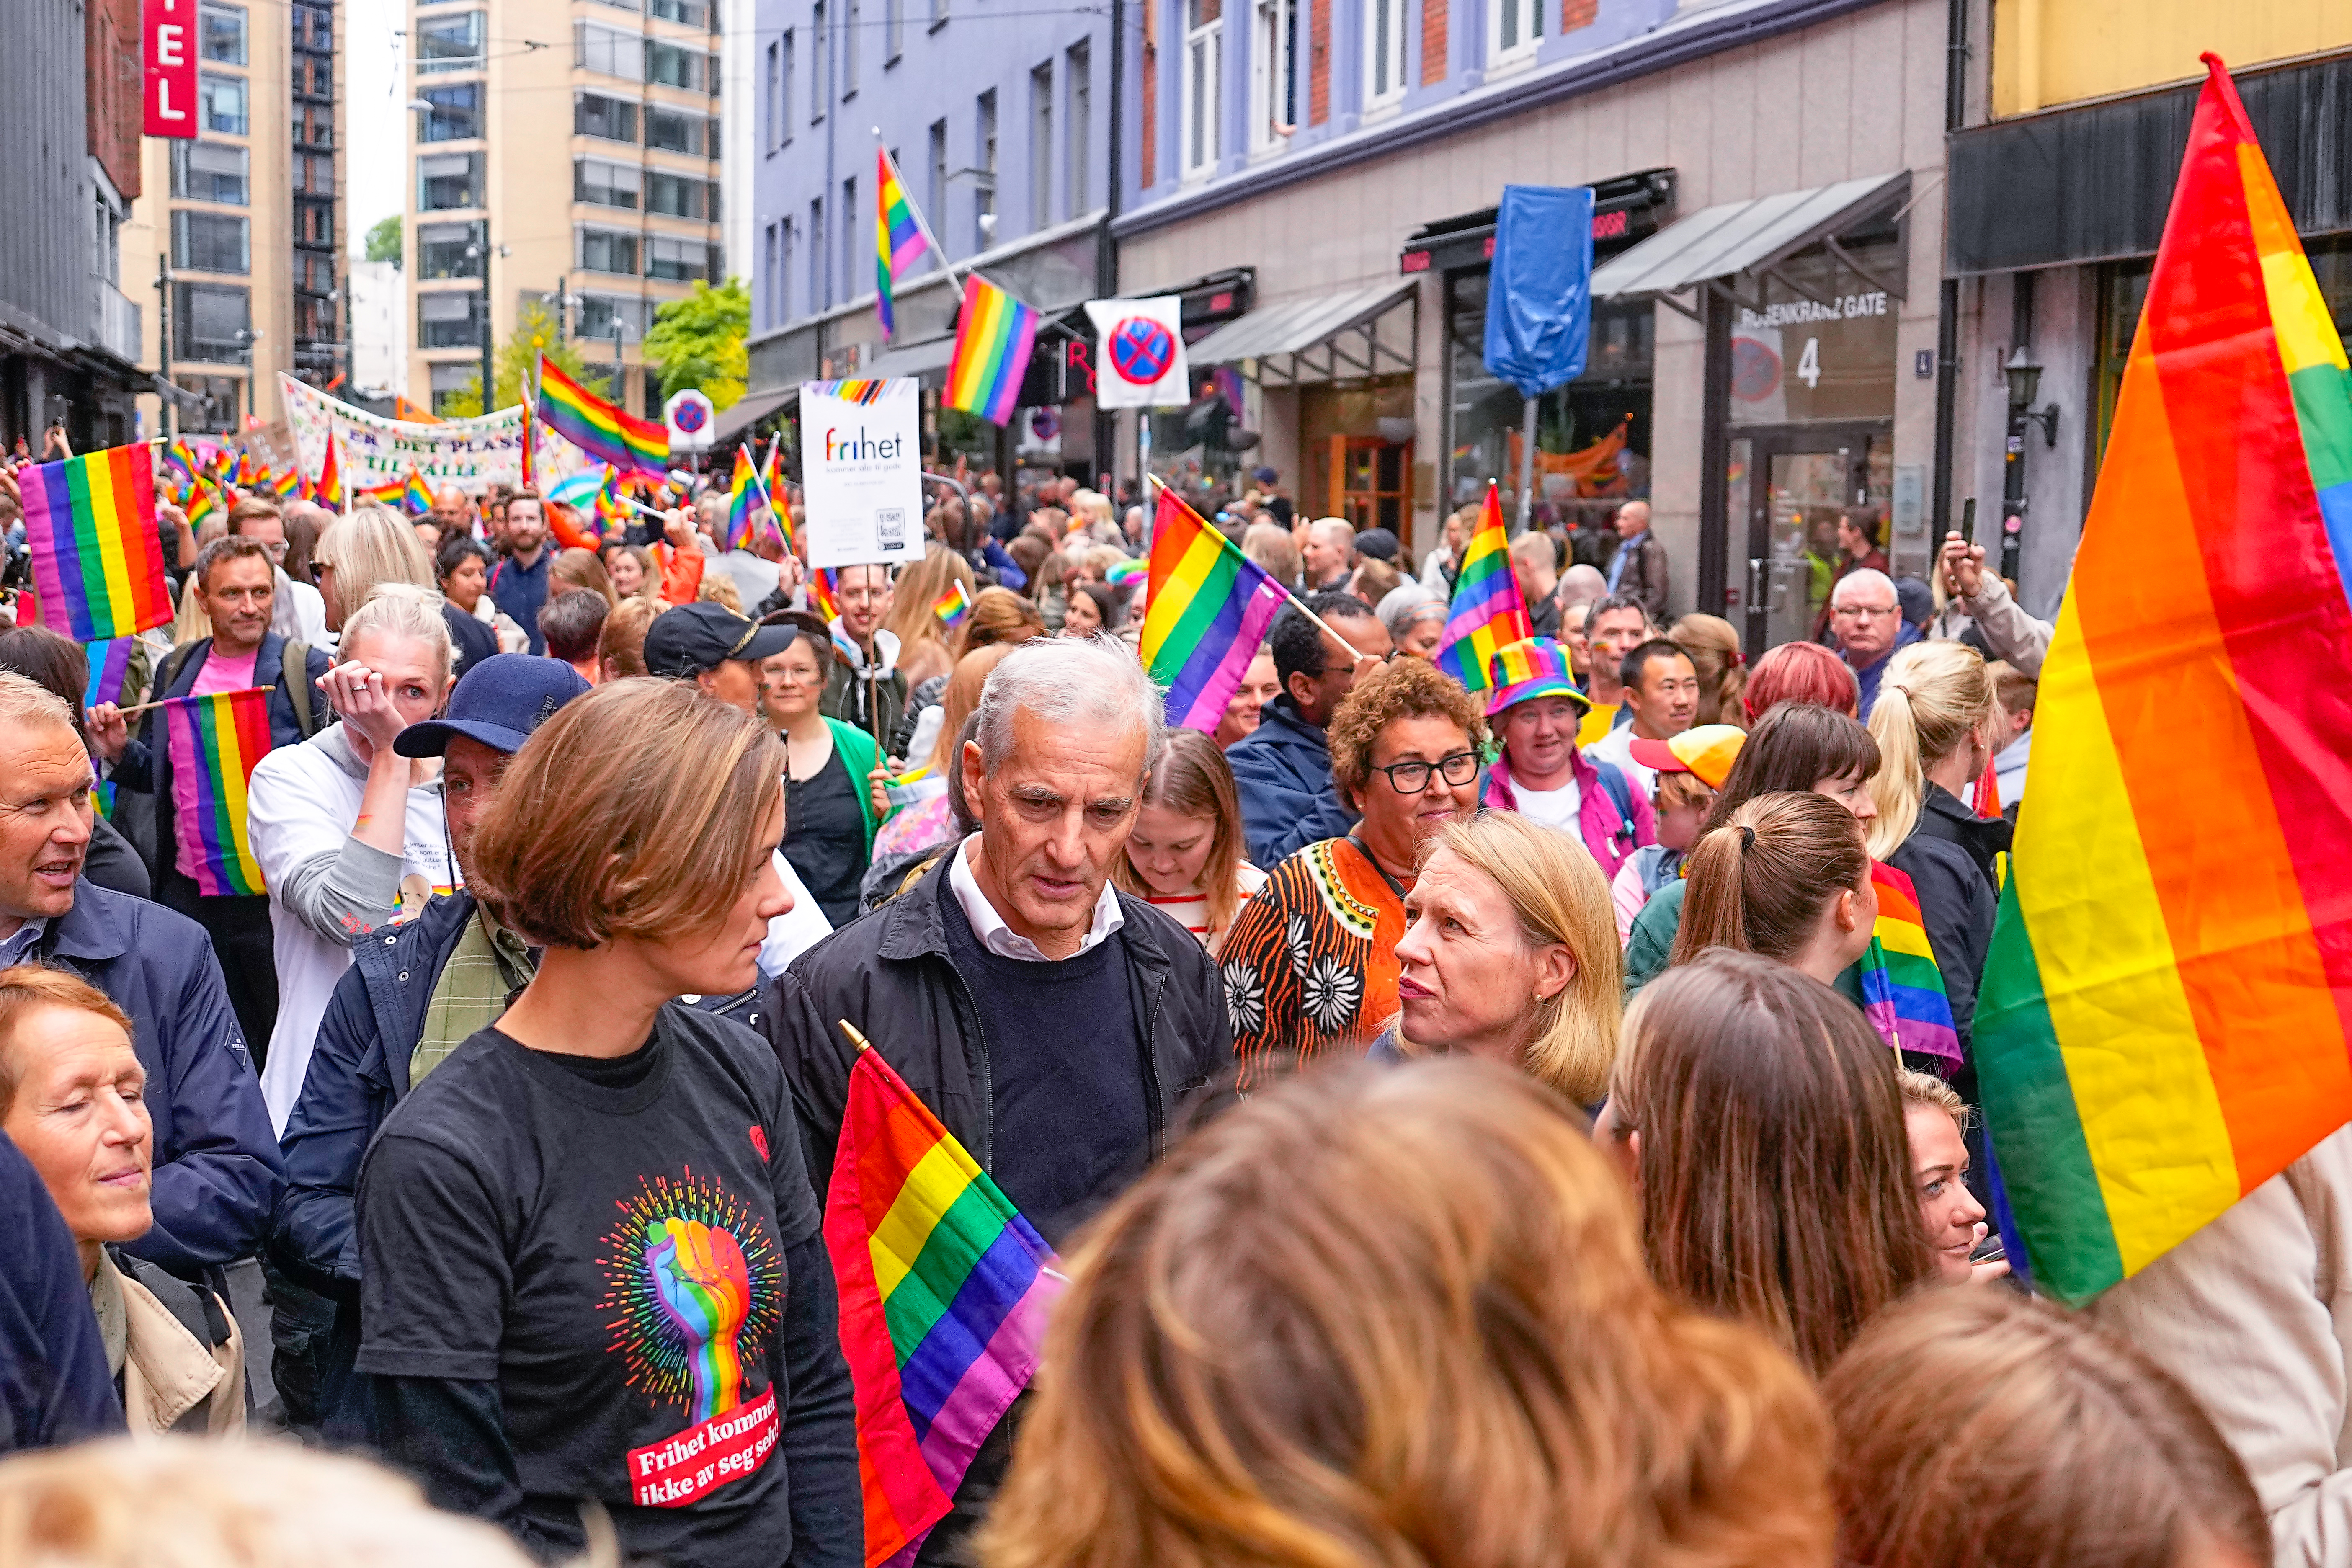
<point>1690,767</point>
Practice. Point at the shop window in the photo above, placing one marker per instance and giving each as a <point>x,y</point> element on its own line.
<point>1203,67</point>
<point>1274,84</point>
<point>607,250</point>
<point>611,119</point>
<point>1513,28</point>
<point>224,104</point>
<point>448,321</point>
<point>448,180</point>
<point>211,322</point>
<point>457,113</point>
<point>211,171</point>
<point>1384,36</point>
<point>449,250</point>
<point>220,34</point>
<point>604,184</point>
<point>212,242</point>
<point>450,43</point>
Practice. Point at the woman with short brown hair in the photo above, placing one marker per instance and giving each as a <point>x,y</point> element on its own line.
<point>593,1259</point>
<point>1275,1353</point>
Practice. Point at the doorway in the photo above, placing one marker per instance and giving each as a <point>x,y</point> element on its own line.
<point>1791,483</point>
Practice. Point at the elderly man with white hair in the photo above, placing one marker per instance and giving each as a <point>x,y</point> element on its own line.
<point>1054,1024</point>
<point>1867,620</point>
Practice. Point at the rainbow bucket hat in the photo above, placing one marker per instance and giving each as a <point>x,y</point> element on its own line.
<point>1532,667</point>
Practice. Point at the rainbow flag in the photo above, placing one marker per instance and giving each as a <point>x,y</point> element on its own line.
<point>288,485</point>
<point>387,493</point>
<point>109,667</point>
<point>330,490</point>
<point>213,743</point>
<point>778,509</point>
<point>98,565</point>
<point>2166,1014</point>
<point>606,432</point>
<point>742,495</point>
<point>899,241</point>
<point>944,1289</point>
<point>177,455</point>
<point>414,497</point>
<point>1207,609</point>
<point>1487,612</point>
<point>952,606</point>
<point>201,504</point>
<point>821,599</point>
<point>580,489</point>
<point>1126,571</point>
<point>994,335</point>
<point>1901,990</point>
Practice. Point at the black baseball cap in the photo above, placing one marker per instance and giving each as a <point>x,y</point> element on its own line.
<point>498,702</point>
<point>1377,544</point>
<point>685,641</point>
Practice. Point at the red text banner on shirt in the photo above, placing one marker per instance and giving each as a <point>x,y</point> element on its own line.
<point>697,1461</point>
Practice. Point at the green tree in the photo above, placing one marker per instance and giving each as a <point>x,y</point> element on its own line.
<point>383,241</point>
<point>535,333</point>
<point>699,342</point>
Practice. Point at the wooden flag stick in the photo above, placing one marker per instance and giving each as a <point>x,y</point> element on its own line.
<point>1288,592</point>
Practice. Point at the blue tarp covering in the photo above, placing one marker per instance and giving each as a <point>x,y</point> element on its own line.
<point>1539,295</point>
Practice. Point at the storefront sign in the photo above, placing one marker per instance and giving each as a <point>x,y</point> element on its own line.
<point>862,470</point>
<point>1813,352</point>
<point>167,32</point>
<point>1141,362</point>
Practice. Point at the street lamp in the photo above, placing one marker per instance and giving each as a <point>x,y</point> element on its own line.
<point>2024,379</point>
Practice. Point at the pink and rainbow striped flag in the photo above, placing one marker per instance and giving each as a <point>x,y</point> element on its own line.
<point>98,564</point>
<point>213,743</point>
<point>899,241</point>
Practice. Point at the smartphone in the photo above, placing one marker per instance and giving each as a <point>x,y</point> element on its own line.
<point>1991,1250</point>
<point>1969,520</point>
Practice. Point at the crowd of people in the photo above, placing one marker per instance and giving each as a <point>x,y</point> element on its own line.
<point>1456,1110</point>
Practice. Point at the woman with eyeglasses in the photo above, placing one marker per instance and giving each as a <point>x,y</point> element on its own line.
<point>1310,963</point>
<point>832,773</point>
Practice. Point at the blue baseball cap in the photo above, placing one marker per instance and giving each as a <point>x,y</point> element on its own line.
<point>498,702</point>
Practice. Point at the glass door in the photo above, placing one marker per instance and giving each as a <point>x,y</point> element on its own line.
<point>1796,483</point>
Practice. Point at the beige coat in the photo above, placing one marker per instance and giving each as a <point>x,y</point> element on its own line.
<point>172,1380</point>
<point>2253,1314</point>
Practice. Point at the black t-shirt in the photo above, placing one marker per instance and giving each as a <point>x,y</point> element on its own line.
<point>824,838</point>
<point>605,1241</point>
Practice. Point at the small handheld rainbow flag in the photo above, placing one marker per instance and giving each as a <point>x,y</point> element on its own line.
<point>329,492</point>
<point>177,455</point>
<point>213,743</point>
<point>200,501</point>
<point>527,465</point>
<point>604,432</point>
<point>742,495</point>
<point>771,475</point>
<point>1486,613</point>
<point>1207,609</point>
<point>899,241</point>
<point>109,667</point>
<point>821,597</point>
<point>414,497</point>
<point>98,565</point>
<point>944,1289</point>
<point>1901,990</point>
<point>953,606</point>
<point>994,337</point>
<point>288,485</point>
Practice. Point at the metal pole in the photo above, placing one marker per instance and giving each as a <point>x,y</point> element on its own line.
<point>171,420</point>
<point>1106,243</point>
<point>489,370</point>
<point>1526,469</point>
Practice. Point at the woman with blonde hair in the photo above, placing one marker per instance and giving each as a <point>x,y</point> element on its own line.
<point>1713,644</point>
<point>1510,953</point>
<point>1273,1352</point>
<point>1184,855</point>
<point>620,641</point>
<point>1984,1429</point>
<point>926,648</point>
<point>1270,544</point>
<point>1936,1120</point>
<point>576,569</point>
<point>369,547</point>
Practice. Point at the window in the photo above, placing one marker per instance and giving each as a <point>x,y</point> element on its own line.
<point>608,250</point>
<point>1274,85</point>
<point>449,319</point>
<point>1041,148</point>
<point>679,196</point>
<point>314,125</point>
<point>689,12</point>
<point>457,113</point>
<point>220,34</point>
<point>314,273</point>
<point>452,43</point>
<point>1513,28</point>
<point>449,250</point>
<point>681,260</point>
<point>622,5</point>
<point>314,174</point>
<point>604,184</point>
<point>939,13</point>
<point>210,322</point>
<point>314,76</point>
<point>314,28</point>
<point>894,31</point>
<point>210,172</point>
<point>448,379</point>
<point>851,20</point>
<point>602,314</point>
<point>671,66</point>
<point>219,397</point>
<point>223,101</point>
<point>784,106</point>
<point>446,180</point>
<point>848,225</point>
<point>594,114</point>
<point>608,51</point>
<point>816,256</point>
<point>820,63</point>
<point>314,319</point>
<point>936,197</point>
<point>1384,35</point>
<point>1080,121</point>
<point>314,223</point>
<point>784,275</point>
<point>772,102</point>
<point>769,279</point>
<point>984,204</point>
<point>1203,64</point>
<point>671,130</point>
<point>212,242</point>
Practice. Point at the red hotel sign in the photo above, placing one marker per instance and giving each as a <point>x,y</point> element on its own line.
<point>167,41</point>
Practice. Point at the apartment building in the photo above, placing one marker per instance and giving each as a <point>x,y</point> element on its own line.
<point>567,156</point>
<point>233,242</point>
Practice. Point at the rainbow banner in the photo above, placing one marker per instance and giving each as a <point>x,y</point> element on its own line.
<point>213,743</point>
<point>944,1289</point>
<point>606,432</point>
<point>1901,990</point>
<point>1207,609</point>
<point>954,606</point>
<point>994,335</point>
<point>1486,613</point>
<point>98,565</point>
<point>742,495</point>
<point>899,241</point>
<point>2163,1024</point>
<point>109,667</point>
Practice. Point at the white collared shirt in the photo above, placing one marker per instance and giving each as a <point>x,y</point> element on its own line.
<point>1002,940</point>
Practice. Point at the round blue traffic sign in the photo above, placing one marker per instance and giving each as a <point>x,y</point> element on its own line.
<point>1142,350</point>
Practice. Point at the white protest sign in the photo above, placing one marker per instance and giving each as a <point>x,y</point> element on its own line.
<point>1140,363</point>
<point>862,471</point>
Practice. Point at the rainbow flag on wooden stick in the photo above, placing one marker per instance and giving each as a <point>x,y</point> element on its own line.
<point>1206,610</point>
<point>607,433</point>
<point>1487,612</point>
<point>2165,1018</point>
<point>742,495</point>
<point>213,743</point>
<point>98,565</point>
<point>899,241</point>
<point>110,667</point>
<point>994,335</point>
<point>943,1292</point>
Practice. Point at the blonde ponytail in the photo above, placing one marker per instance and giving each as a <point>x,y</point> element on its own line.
<point>1932,697</point>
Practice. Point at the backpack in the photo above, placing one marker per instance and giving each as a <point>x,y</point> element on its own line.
<point>296,658</point>
<point>1621,794</point>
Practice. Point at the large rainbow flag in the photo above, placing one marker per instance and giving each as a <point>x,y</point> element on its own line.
<point>1486,613</point>
<point>899,241</point>
<point>943,1291</point>
<point>213,743</point>
<point>1902,989</point>
<point>1206,610</point>
<point>2165,1018</point>
<point>994,336</point>
<point>98,564</point>
<point>608,433</point>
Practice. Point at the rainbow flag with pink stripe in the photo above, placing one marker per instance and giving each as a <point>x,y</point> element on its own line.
<point>994,336</point>
<point>1207,609</point>
<point>98,565</point>
<point>944,1289</point>
<point>1488,613</point>
<point>899,241</point>
<point>1902,989</point>
<point>213,743</point>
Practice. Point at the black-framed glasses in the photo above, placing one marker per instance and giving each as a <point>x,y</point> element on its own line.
<point>1413,778</point>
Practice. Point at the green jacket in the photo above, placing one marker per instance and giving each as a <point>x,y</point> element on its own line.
<point>861,756</point>
<point>1651,943</point>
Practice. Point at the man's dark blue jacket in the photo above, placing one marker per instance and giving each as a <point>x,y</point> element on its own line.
<point>1283,772</point>
<point>217,1175</point>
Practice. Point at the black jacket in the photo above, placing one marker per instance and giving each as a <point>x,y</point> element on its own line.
<point>889,975</point>
<point>1957,906</point>
<point>1941,816</point>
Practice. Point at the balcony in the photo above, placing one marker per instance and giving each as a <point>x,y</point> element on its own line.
<point>117,322</point>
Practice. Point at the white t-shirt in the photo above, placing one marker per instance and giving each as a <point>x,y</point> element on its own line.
<point>301,803</point>
<point>1617,747</point>
<point>795,930</point>
<point>1558,808</point>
